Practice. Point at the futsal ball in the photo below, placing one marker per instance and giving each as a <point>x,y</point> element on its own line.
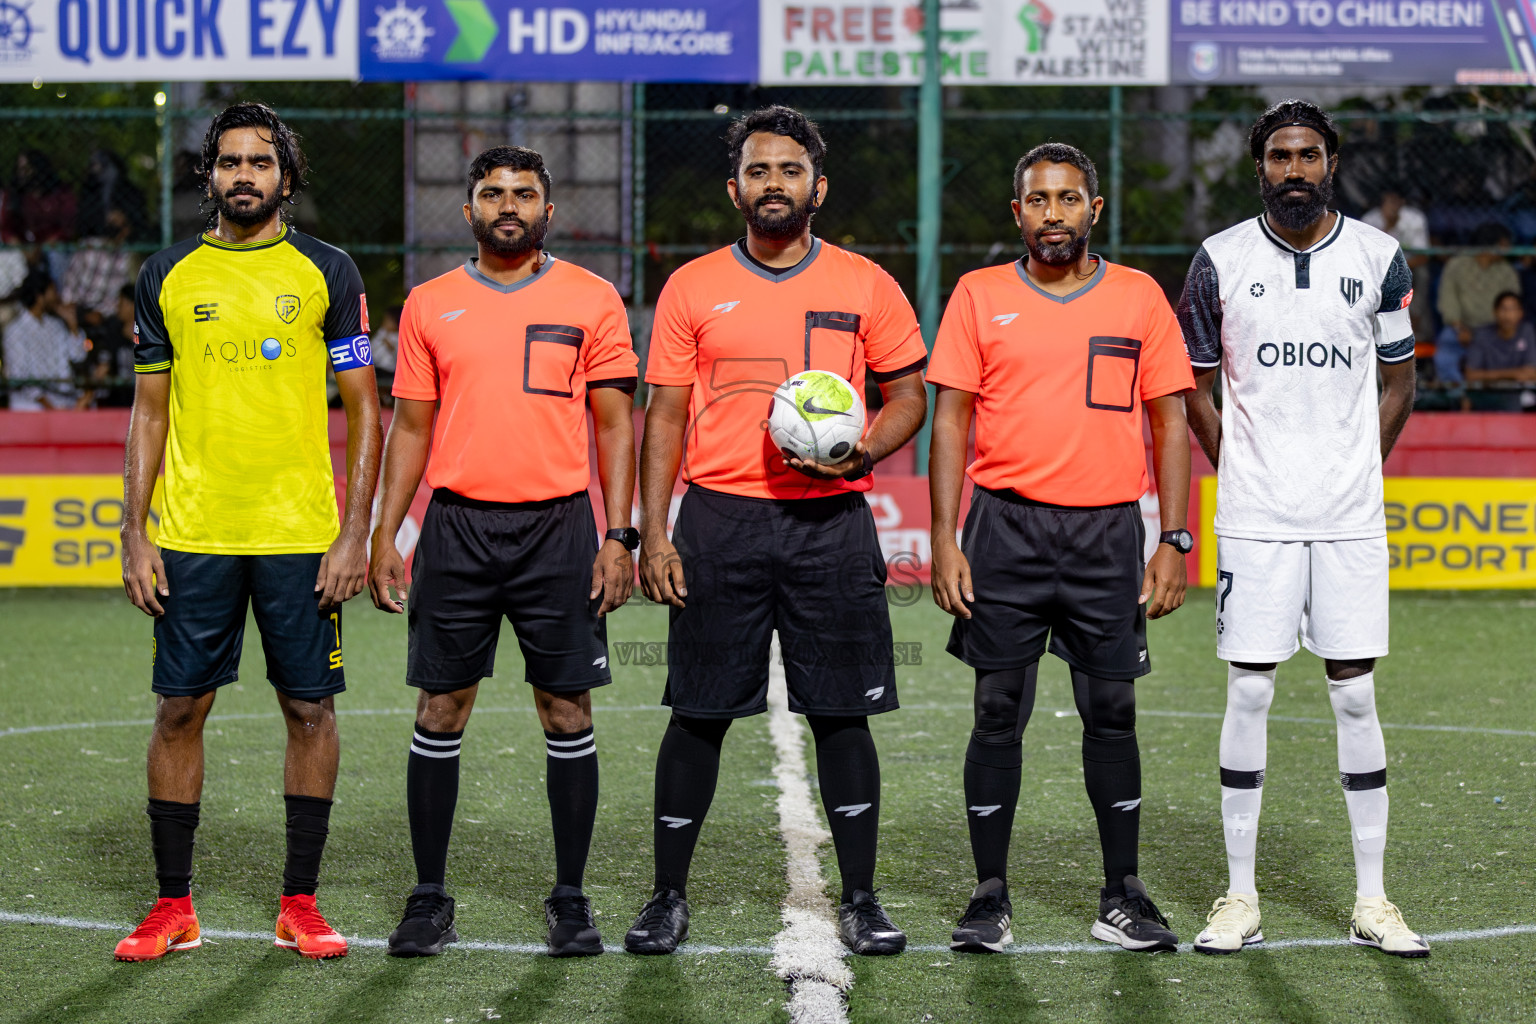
<point>816,417</point>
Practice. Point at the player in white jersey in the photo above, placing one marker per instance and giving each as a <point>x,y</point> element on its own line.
<point>1298,310</point>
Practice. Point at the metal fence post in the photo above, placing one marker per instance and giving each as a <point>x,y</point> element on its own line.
<point>167,162</point>
<point>1116,167</point>
<point>930,194</point>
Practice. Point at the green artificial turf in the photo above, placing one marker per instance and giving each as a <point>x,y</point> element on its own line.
<point>74,840</point>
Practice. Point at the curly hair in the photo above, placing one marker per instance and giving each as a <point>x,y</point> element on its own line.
<point>776,120</point>
<point>1057,153</point>
<point>517,158</point>
<point>1288,113</point>
<point>290,158</point>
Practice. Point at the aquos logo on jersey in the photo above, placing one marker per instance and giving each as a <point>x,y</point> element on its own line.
<point>241,355</point>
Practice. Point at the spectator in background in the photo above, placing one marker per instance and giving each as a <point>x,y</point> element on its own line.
<point>39,346</point>
<point>36,207</point>
<point>1505,350</point>
<point>104,189</point>
<point>1468,286</point>
<point>110,364</point>
<point>386,346</point>
<point>1410,227</point>
<point>100,267</point>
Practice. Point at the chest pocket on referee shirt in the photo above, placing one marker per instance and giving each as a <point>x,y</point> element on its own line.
<point>832,341</point>
<point>550,352</point>
<point>1112,366</point>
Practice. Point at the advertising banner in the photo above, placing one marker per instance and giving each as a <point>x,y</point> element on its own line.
<point>1443,533</point>
<point>512,40</point>
<point>62,531</point>
<point>1354,42</point>
<point>177,40</point>
<point>999,42</point>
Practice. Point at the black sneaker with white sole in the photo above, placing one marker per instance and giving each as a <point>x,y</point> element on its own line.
<point>867,929</point>
<point>571,931</point>
<point>986,926</point>
<point>427,925</point>
<point>661,927</point>
<point>1133,920</point>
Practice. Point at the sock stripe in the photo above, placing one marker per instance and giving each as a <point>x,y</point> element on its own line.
<point>591,748</point>
<point>1354,782</point>
<point>578,741</point>
<point>1242,780</point>
<point>424,752</point>
<point>419,738</point>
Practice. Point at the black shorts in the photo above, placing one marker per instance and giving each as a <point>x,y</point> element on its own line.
<point>198,639</point>
<point>810,568</point>
<point>1074,574</point>
<point>477,561</point>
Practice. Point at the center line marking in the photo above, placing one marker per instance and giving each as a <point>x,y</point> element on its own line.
<point>808,952</point>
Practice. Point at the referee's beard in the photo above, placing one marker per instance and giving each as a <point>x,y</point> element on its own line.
<point>1058,254</point>
<point>529,239</point>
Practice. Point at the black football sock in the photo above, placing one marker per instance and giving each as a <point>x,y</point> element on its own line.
<point>431,794</point>
<point>687,766</point>
<point>848,772</point>
<point>993,764</point>
<point>570,771</point>
<point>1112,771</point>
<point>309,821</point>
<point>171,830</point>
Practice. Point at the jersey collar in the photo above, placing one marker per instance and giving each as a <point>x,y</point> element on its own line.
<point>748,265</point>
<point>1326,241</point>
<point>219,243</point>
<point>507,289</point>
<point>1100,267</point>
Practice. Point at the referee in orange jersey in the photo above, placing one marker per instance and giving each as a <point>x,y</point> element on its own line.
<point>499,361</point>
<point>1055,356</point>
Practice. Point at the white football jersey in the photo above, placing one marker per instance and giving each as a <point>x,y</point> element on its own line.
<point>1297,335</point>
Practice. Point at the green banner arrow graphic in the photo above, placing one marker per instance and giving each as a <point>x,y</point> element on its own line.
<point>477,31</point>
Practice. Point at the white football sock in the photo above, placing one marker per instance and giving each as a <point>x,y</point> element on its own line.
<point>1363,773</point>
<point>1244,746</point>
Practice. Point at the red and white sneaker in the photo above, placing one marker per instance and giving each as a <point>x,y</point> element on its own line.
<point>301,928</point>
<point>172,924</point>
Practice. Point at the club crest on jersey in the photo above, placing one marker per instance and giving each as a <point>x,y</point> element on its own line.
<point>287,308</point>
<point>1351,289</point>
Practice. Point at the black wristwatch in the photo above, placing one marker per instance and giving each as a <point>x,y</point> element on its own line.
<point>1181,540</point>
<point>864,470</point>
<point>628,536</point>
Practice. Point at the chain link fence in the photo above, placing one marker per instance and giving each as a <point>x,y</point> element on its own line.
<point>92,178</point>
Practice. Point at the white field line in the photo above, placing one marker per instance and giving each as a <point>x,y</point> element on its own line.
<point>807,953</point>
<point>538,948</point>
<point>601,710</point>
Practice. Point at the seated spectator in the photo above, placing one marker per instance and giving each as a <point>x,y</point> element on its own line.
<point>1468,286</point>
<point>1504,350</point>
<point>111,359</point>
<point>1410,227</point>
<point>101,265</point>
<point>36,207</point>
<point>105,188</point>
<point>40,345</point>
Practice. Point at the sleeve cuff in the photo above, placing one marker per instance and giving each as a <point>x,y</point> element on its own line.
<point>974,387</point>
<point>886,376</point>
<point>414,396</point>
<point>1204,366</point>
<point>669,382</point>
<point>624,384</point>
<point>164,367</point>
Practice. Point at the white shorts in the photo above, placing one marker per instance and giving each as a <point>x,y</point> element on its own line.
<point>1332,593</point>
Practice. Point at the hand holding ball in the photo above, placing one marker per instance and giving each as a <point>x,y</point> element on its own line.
<point>816,417</point>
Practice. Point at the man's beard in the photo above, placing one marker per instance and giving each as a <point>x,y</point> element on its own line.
<point>1296,213</point>
<point>529,239</point>
<point>248,217</point>
<point>786,224</point>
<point>1058,254</point>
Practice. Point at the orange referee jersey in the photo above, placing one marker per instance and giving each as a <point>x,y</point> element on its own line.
<point>735,331</point>
<point>1060,381</point>
<point>511,366</point>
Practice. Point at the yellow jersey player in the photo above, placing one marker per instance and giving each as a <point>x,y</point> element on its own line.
<point>234,331</point>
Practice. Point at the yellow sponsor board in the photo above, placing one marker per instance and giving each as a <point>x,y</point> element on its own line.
<point>62,531</point>
<point>1442,532</point>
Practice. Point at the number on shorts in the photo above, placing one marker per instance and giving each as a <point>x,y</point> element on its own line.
<point>1221,598</point>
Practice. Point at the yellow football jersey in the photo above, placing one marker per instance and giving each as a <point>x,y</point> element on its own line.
<point>246,331</point>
